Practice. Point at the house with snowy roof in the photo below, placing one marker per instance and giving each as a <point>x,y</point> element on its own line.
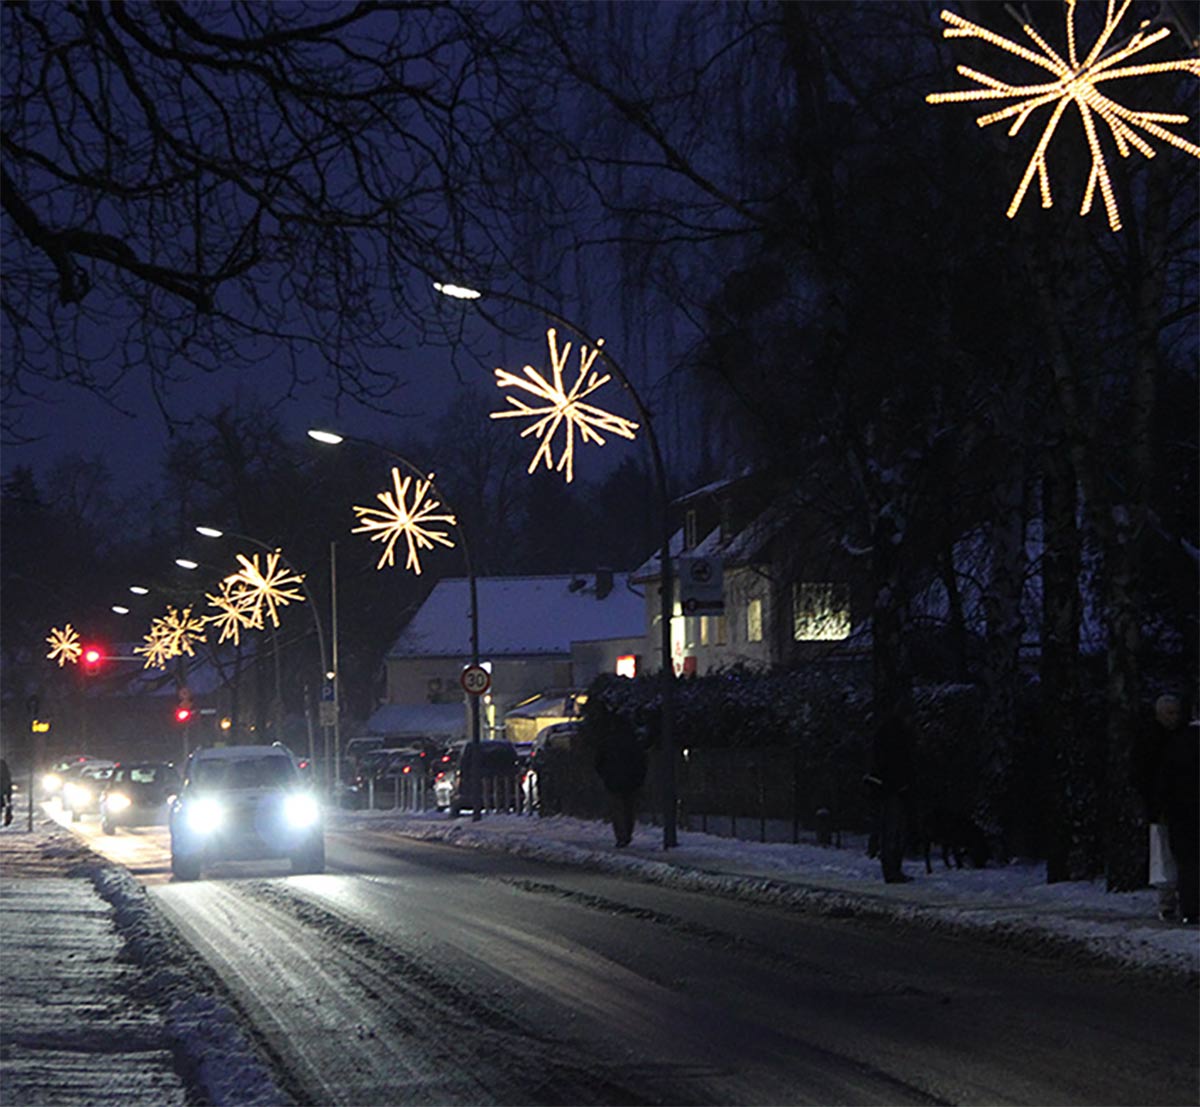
<point>538,635</point>
<point>777,588</point>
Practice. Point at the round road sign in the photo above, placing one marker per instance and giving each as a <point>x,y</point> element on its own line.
<point>475,679</point>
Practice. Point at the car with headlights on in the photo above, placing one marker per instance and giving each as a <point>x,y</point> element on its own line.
<point>138,793</point>
<point>52,779</point>
<point>242,803</point>
<point>82,787</point>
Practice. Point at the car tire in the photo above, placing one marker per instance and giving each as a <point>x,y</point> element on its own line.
<point>185,868</point>
<point>310,860</point>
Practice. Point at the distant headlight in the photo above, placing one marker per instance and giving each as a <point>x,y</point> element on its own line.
<point>203,815</point>
<point>52,782</point>
<point>75,793</point>
<point>301,810</point>
<point>116,801</point>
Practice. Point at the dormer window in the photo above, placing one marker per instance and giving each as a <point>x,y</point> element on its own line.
<point>691,538</point>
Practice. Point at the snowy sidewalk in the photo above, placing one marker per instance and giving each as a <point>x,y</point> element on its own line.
<point>1011,904</point>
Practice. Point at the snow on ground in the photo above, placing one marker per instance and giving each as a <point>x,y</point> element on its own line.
<point>1009,903</point>
<point>131,1002</point>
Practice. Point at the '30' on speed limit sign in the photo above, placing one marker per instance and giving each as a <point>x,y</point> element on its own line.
<point>475,679</point>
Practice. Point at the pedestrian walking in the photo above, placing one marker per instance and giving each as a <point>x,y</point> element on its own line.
<point>621,763</point>
<point>1181,808</point>
<point>1150,780</point>
<point>6,789</point>
<point>890,778</point>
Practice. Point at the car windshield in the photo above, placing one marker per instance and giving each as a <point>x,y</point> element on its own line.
<point>243,772</point>
<point>142,774</point>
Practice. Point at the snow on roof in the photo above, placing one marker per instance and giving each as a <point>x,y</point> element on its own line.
<point>521,615</point>
<point>419,720</point>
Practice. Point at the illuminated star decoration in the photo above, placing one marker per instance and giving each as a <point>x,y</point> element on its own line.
<point>170,636</point>
<point>64,645</point>
<point>1075,82</point>
<point>562,406</point>
<point>234,615</point>
<point>397,518</point>
<point>262,591</point>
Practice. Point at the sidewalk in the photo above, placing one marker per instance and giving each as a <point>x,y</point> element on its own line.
<point>1010,904</point>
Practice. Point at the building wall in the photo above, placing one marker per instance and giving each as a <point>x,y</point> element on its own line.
<point>590,659</point>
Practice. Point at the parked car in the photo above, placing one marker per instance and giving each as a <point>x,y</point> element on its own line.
<point>82,787</point>
<point>553,743</point>
<point>498,766</point>
<point>244,803</point>
<point>138,793</point>
<point>381,773</point>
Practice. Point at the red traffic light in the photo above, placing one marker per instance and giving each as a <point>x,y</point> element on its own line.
<point>92,656</point>
<point>183,713</point>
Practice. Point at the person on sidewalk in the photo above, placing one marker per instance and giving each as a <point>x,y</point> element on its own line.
<point>621,763</point>
<point>1181,806</point>
<point>1149,756</point>
<point>891,779</point>
<point>6,790</point>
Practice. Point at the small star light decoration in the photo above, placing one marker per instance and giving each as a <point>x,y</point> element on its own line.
<point>170,636</point>
<point>1075,81</point>
<point>562,407</point>
<point>233,615</point>
<point>262,591</point>
<point>396,518</point>
<point>64,645</point>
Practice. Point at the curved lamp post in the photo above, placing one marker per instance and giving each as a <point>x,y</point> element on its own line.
<point>326,672</point>
<point>331,438</point>
<point>666,593</point>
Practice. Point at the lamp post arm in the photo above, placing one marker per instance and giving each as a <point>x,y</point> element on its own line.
<point>667,589</point>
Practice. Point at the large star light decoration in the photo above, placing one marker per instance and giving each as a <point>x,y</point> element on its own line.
<point>171,635</point>
<point>263,590</point>
<point>1075,81</point>
<point>64,645</point>
<point>561,406</point>
<point>234,613</point>
<point>156,647</point>
<point>397,517</point>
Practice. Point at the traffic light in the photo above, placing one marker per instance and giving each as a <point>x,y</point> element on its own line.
<point>92,657</point>
<point>183,713</point>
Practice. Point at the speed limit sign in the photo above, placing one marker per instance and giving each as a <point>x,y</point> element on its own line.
<point>475,679</point>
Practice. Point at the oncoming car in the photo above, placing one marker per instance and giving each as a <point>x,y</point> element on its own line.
<point>81,789</point>
<point>245,803</point>
<point>138,793</point>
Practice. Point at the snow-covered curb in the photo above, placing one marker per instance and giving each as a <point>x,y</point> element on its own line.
<point>212,1051</point>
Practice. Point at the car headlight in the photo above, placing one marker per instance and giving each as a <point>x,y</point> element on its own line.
<point>203,815</point>
<point>301,810</point>
<point>116,801</point>
<point>52,782</point>
<point>75,793</point>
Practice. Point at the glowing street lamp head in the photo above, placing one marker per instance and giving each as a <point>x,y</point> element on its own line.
<point>187,563</point>
<point>456,291</point>
<point>138,590</point>
<point>329,438</point>
<point>210,532</point>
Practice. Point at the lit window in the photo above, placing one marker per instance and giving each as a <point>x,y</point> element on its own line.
<point>627,665</point>
<point>754,629</point>
<point>704,630</point>
<point>820,612</point>
<point>719,630</point>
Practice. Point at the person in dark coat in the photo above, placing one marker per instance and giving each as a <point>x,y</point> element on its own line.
<point>1149,778</point>
<point>6,789</point>
<point>1181,802</point>
<point>621,763</point>
<point>891,780</point>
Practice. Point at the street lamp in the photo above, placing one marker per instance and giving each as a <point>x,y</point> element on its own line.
<point>424,482</point>
<point>214,532</point>
<point>666,596</point>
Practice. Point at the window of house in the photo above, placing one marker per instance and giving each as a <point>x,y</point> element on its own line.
<point>690,526</point>
<point>754,620</point>
<point>718,630</point>
<point>820,612</point>
<point>705,640</point>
